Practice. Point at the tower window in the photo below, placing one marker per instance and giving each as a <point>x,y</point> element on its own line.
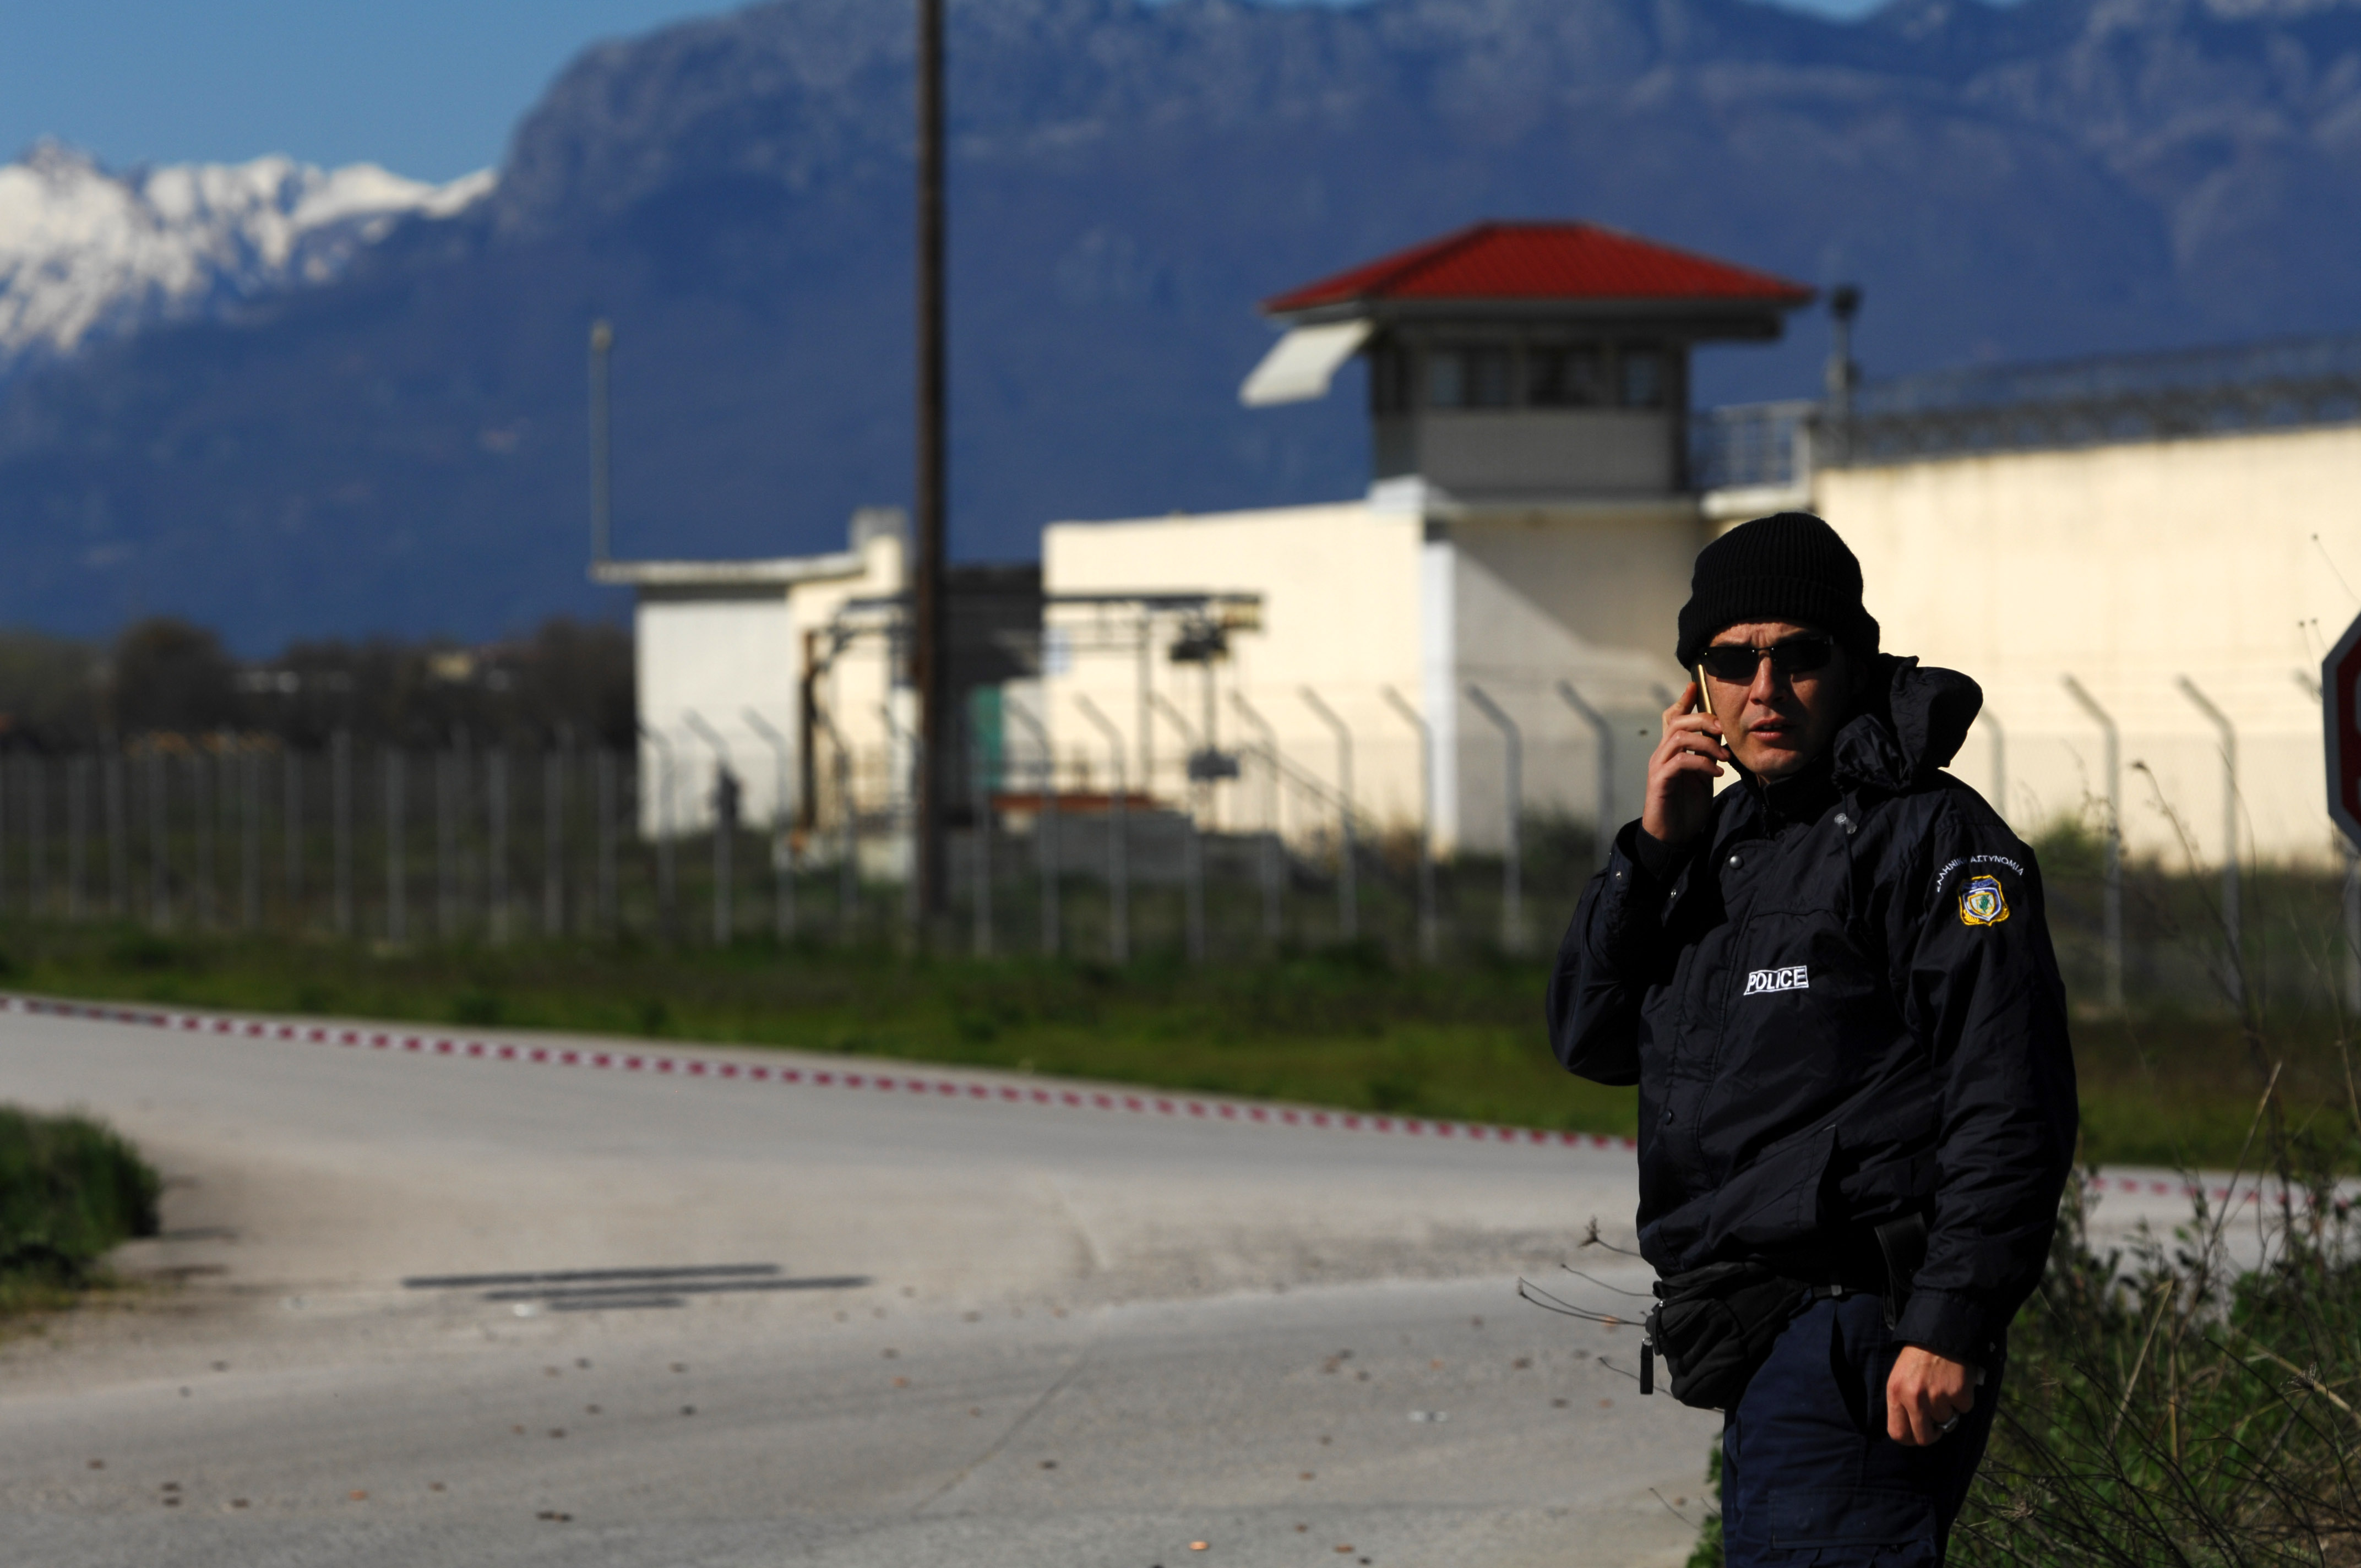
<point>1468,379</point>
<point>1565,377</point>
<point>1646,378</point>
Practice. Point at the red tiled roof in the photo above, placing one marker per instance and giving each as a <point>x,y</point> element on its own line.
<point>1542,261</point>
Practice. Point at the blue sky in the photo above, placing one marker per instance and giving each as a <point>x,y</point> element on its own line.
<point>429,88</point>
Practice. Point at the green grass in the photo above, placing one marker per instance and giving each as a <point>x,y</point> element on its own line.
<point>1341,1028</point>
<point>71,1188</point>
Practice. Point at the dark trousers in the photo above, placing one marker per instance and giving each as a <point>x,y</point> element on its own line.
<point>1809,1476</point>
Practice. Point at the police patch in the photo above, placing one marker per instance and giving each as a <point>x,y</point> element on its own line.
<point>1981,902</point>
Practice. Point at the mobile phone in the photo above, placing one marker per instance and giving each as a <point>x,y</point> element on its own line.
<point>1705,693</point>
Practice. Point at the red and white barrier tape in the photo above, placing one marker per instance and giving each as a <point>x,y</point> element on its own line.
<point>1245,1112</point>
<point>1144,1103</point>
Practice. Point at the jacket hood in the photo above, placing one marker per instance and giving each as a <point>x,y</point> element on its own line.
<point>1906,735</point>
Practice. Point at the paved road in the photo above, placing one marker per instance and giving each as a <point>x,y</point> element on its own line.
<point>1082,1338</point>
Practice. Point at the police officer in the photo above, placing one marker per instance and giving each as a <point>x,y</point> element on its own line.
<point>1834,985</point>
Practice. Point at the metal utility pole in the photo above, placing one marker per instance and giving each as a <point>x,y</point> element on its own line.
<point>1843,375</point>
<point>2112,863</point>
<point>928,661</point>
<point>602,488</point>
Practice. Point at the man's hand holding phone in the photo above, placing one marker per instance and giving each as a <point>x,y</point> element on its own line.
<point>1682,770</point>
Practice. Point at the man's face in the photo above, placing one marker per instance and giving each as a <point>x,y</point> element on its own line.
<point>1776,722</point>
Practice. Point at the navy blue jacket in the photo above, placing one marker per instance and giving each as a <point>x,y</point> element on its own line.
<point>1841,1005</point>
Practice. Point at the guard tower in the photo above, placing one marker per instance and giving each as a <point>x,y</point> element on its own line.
<point>1521,365</point>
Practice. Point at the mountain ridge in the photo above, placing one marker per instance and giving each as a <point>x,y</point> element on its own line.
<point>401,447</point>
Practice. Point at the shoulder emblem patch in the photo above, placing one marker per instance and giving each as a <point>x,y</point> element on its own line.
<point>1981,902</point>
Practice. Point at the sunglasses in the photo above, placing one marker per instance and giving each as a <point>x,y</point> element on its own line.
<point>1735,663</point>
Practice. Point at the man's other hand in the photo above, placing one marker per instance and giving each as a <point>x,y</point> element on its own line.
<point>1926,1393</point>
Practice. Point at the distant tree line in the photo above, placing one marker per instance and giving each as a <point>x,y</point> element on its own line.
<point>569,679</point>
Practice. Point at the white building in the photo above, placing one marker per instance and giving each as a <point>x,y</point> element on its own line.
<point>764,666</point>
<point>1527,531</point>
<point>2173,532</point>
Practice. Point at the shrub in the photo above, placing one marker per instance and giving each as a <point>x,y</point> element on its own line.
<point>71,1188</point>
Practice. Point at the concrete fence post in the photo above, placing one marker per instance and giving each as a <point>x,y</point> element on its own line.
<point>1045,831</point>
<point>340,830</point>
<point>665,913</point>
<point>1118,868</point>
<point>1603,735</point>
<point>1348,897</point>
<point>2235,974</point>
<point>397,913</point>
<point>978,788</point>
<point>725,923</point>
<point>1512,874</point>
<point>1273,887</point>
<point>783,855</point>
<point>1430,934</point>
<point>118,833</point>
<point>77,830</point>
<point>496,853</point>
<point>1192,854</point>
<point>160,844</point>
<point>291,824</point>
<point>2112,863</point>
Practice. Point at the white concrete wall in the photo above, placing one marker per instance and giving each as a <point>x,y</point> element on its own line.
<point>2229,559</point>
<point>1357,600</point>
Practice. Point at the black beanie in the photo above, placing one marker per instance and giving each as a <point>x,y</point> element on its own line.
<point>1791,566</point>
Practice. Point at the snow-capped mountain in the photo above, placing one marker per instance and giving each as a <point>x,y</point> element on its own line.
<point>88,254</point>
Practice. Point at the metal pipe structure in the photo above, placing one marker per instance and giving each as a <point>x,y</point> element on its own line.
<point>724,917</point>
<point>2237,970</point>
<point>1193,850</point>
<point>1603,732</point>
<point>1429,930</point>
<point>929,647</point>
<point>1273,886</point>
<point>665,911</point>
<point>848,830</point>
<point>1118,868</point>
<point>1045,846</point>
<point>2112,850</point>
<point>1513,873</point>
<point>783,854</point>
<point>1348,892</point>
